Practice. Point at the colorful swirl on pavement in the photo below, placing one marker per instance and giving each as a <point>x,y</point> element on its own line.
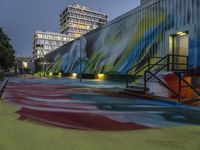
<point>65,103</point>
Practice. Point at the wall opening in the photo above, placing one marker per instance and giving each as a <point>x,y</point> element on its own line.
<point>179,45</point>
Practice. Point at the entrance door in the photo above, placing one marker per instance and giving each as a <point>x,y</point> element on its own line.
<point>180,48</point>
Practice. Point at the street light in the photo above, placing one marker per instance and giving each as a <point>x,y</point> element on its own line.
<point>44,63</point>
<point>80,61</point>
<point>44,66</point>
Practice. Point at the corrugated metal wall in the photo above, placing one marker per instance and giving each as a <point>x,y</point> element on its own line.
<point>134,36</point>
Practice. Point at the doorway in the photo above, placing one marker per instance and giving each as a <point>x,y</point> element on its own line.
<point>180,46</point>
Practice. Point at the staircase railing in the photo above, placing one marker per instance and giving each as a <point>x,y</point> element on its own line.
<point>135,75</point>
<point>187,85</point>
<point>159,66</point>
<point>170,62</point>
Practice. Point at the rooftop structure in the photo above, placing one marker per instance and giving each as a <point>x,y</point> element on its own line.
<point>77,20</point>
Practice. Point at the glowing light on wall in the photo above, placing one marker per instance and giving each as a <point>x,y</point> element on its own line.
<point>50,74</point>
<point>74,75</point>
<point>60,75</point>
<point>101,76</point>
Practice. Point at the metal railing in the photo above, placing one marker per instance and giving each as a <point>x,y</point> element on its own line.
<point>172,63</point>
<point>142,69</point>
<point>175,63</point>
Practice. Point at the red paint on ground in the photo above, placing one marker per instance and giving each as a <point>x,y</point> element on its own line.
<point>54,104</point>
<point>79,121</point>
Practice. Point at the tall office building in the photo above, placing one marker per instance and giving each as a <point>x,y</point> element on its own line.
<point>45,42</point>
<point>77,20</point>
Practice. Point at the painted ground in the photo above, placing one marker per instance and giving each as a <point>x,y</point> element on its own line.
<point>93,105</point>
<point>21,133</point>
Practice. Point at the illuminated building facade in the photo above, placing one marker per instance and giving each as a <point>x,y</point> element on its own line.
<point>45,42</point>
<point>77,20</point>
<point>24,63</point>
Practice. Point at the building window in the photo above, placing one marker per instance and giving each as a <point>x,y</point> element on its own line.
<point>39,35</point>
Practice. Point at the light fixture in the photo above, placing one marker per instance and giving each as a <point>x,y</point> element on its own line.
<point>74,75</point>
<point>60,75</point>
<point>50,74</point>
<point>101,76</point>
<point>181,33</point>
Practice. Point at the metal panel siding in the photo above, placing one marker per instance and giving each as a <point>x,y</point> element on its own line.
<point>198,31</point>
<point>132,37</point>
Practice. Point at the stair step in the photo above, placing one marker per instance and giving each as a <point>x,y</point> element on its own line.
<point>134,92</point>
<point>191,100</point>
<point>138,87</point>
<point>137,84</point>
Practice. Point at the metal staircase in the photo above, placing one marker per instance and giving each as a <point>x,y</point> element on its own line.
<point>177,64</point>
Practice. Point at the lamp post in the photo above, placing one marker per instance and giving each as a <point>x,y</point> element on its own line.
<point>44,62</point>
<point>80,62</point>
<point>44,66</point>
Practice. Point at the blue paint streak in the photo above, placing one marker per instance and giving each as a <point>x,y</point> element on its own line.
<point>152,34</point>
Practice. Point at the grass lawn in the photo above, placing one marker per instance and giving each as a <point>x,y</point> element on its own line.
<point>29,135</point>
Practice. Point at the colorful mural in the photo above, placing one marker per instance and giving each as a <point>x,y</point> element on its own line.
<point>127,40</point>
<point>90,106</point>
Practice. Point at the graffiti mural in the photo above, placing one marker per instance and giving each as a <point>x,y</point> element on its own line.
<point>127,40</point>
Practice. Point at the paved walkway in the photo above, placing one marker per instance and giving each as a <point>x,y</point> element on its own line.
<point>93,105</point>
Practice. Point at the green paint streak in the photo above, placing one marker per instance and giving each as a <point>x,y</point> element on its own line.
<point>56,66</point>
<point>94,63</point>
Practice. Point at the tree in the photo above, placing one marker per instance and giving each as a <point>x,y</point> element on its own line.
<point>7,58</point>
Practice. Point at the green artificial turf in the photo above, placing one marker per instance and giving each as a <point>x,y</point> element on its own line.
<point>29,135</point>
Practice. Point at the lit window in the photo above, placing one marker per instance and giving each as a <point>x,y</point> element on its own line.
<point>39,35</point>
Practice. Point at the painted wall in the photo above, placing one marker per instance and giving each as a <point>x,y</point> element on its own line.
<point>131,38</point>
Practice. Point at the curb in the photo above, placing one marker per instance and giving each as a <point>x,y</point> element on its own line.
<point>2,86</point>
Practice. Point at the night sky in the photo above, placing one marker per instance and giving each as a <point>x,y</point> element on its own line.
<point>21,18</point>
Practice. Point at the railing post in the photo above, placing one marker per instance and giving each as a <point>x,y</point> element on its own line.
<point>148,62</point>
<point>145,83</point>
<point>173,62</point>
<point>126,80</point>
<point>187,63</point>
<point>179,87</point>
<point>168,63</point>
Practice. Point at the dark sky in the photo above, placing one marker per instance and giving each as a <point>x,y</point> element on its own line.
<point>21,18</point>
